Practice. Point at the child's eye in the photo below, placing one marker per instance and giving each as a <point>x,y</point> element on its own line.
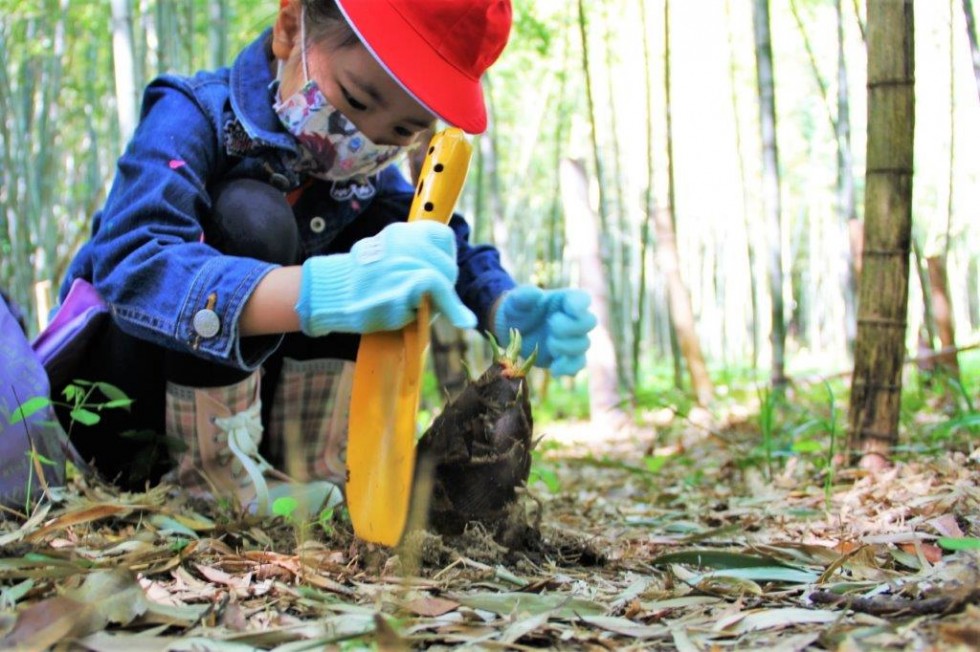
<point>354,103</point>
<point>403,132</point>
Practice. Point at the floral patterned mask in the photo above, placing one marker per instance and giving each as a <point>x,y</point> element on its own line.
<point>331,147</point>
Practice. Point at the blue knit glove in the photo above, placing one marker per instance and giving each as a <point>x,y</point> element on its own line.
<point>379,285</point>
<point>557,322</point>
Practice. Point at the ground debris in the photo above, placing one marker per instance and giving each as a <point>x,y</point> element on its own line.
<point>612,551</point>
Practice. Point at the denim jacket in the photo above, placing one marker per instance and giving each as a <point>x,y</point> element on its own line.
<point>147,257</point>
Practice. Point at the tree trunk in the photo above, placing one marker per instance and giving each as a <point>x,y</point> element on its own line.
<point>846,210</point>
<point>971,33</point>
<point>218,32</point>
<point>973,291</point>
<point>648,201</point>
<point>124,66</point>
<point>879,353</point>
<point>746,213</point>
<point>676,353</point>
<point>840,122</point>
<point>603,234</point>
<point>860,23</point>
<point>668,259</point>
<point>771,185</point>
<point>942,313</point>
<point>621,243</point>
<point>582,226</point>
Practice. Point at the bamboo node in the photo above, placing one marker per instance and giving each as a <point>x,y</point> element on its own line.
<point>884,322</point>
<point>896,81</point>
<point>885,252</point>
<point>887,387</point>
<point>907,171</point>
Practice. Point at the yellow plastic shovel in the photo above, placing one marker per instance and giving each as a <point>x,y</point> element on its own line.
<point>388,371</point>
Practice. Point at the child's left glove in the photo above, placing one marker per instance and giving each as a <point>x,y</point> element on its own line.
<point>557,322</point>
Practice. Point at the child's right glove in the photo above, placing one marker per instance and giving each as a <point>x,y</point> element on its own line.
<point>557,322</point>
<point>379,285</point>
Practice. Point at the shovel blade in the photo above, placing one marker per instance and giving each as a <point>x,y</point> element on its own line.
<point>388,375</point>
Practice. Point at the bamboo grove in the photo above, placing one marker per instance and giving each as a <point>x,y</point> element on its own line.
<point>699,167</point>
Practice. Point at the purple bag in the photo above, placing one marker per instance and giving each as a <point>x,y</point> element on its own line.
<point>27,373</point>
<point>32,441</point>
<point>60,347</point>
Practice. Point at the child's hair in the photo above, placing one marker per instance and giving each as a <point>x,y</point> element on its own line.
<point>327,23</point>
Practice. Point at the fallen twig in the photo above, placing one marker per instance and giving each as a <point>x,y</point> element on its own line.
<point>884,605</point>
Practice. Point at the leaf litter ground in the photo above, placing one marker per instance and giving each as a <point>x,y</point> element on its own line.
<point>679,548</point>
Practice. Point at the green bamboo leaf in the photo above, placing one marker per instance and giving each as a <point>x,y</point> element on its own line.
<point>717,559</point>
<point>807,446</point>
<point>123,403</point>
<point>654,464</point>
<point>113,393</point>
<point>29,408</point>
<point>959,543</point>
<point>85,417</point>
<point>767,574</point>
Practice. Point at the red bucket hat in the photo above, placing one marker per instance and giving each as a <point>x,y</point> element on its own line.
<point>437,49</point>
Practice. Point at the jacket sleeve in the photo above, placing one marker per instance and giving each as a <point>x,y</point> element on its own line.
<point>162,281</point>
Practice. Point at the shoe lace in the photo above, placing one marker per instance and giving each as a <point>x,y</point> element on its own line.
<point>244,430</point>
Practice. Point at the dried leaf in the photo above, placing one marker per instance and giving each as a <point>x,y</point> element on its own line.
<point>11,595</point>
<point>931,553</point>
<point>104,597</point>
<point>523,627</point>
<point>626,627</point>
<point>167,524</point>
<point>947,526</point>
<point>42,625</point>
<point>749,621</point>
<point>79,517</point>
<point>560,606</point>
<point>111,597</point>
<point>431,607</point>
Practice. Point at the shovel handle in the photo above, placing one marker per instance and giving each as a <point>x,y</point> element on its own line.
<point>441,177</point>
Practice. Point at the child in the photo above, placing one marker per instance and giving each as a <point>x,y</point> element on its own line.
<point>256,227</point>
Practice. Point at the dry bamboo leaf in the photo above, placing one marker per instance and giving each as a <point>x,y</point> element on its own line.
<point>683,642</point>
<point>522,627</point>
<point>733,586</point>
<point>104,597</point>
<point>78,517</point>
<point>947,526</point>
<point>626,627</point>
<point>240,583</point>
<point>41,626</point>
<point>560,606</point>
<point>29,526</point>
<point>749,621</point>
<point>431,607</point>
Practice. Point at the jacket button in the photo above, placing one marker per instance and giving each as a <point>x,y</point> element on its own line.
<point>279,181</point>
<point>318,224</point>
<point>206,323</point>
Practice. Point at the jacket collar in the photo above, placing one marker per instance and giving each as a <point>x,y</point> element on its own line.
<point>252,95</point>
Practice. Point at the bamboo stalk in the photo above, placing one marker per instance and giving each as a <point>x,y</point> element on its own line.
<point>879,351</point>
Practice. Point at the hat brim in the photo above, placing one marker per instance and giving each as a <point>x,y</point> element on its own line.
<point>437,85</point>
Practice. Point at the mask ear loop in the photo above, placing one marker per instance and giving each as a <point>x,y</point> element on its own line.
<point>302,43</point>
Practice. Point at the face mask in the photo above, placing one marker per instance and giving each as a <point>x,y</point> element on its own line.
<point>331,147</point>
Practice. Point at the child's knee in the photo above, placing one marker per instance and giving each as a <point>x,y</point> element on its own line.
<point>252,219</point>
